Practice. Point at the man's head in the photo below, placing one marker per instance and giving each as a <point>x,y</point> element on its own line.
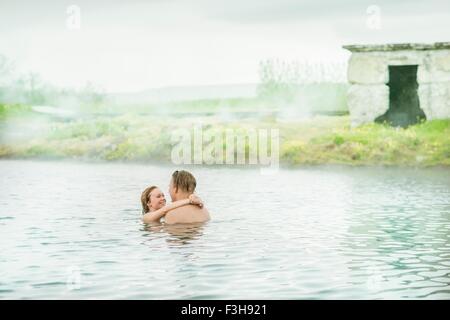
<point>182,185</point>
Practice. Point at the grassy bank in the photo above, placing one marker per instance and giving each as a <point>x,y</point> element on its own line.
<point>425,144</point>
<point>319,140</point>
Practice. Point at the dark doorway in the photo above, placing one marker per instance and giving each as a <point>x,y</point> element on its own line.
<point>404,108</point>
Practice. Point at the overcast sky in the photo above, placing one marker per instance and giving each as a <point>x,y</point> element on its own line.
<point>135,45</point>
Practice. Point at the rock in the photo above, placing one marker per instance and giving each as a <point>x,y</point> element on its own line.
<point>435,100</point>
<point>368,74</point>
<point>367,69</point>
<point>366,102</point>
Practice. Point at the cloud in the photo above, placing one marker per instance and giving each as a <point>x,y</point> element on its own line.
<point>138,44</point>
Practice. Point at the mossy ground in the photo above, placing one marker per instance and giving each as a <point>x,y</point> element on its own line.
<point>318,140</point>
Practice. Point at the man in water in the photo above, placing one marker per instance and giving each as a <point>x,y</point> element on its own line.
<point>182,185</point>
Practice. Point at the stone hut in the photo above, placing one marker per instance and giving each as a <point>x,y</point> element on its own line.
<point>399,83</point>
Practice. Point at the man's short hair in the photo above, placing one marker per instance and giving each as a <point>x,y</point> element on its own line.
<point>184,181</point>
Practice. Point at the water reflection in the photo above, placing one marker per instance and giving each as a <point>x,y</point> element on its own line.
<point>397,243</point>
<point>177,234</point>
<point>339,234</point>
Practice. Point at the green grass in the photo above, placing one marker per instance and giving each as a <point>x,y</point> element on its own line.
<point>13,110</point>
<point>134,137</point>
<point>425,144</point>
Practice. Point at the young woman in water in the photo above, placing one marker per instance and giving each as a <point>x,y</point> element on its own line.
<point>154,204</point>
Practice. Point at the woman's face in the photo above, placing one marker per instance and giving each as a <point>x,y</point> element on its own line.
<point>156,199</point>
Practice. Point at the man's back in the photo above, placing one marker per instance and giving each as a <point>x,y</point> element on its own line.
<point>187,214</point>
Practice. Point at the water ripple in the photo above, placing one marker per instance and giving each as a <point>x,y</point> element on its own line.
<point>306,234</point>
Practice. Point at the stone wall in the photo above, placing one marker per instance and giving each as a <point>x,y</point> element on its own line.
<point>368,74</point>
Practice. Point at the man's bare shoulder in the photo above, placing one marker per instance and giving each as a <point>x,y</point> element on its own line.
<point>187,214</point>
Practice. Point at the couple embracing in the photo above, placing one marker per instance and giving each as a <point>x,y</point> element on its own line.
<point>186,207</point>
